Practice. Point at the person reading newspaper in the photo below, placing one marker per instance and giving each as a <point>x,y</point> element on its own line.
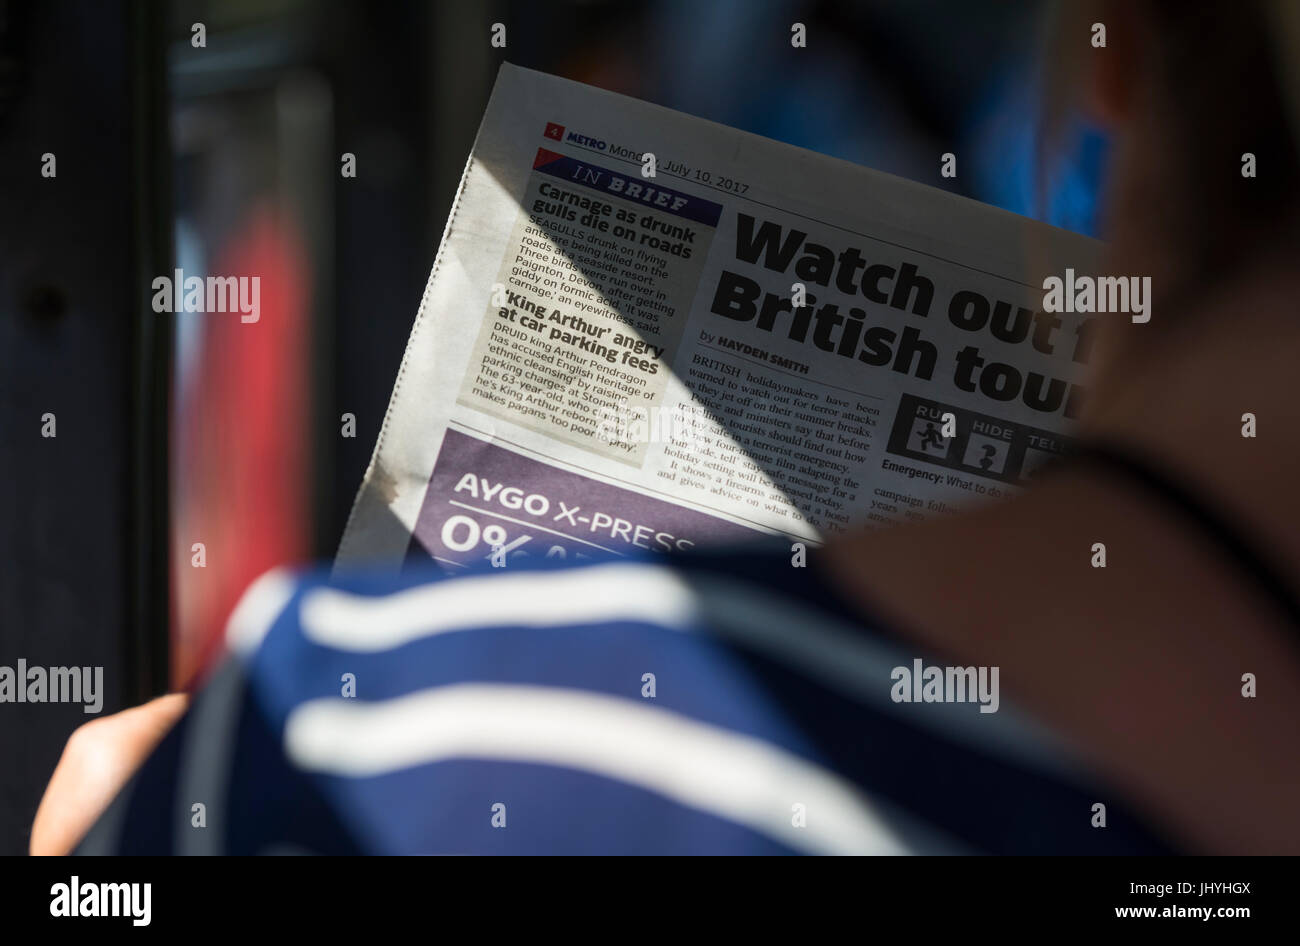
<point>749,700</point>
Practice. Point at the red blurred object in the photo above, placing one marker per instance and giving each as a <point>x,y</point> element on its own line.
<point>241,476</point>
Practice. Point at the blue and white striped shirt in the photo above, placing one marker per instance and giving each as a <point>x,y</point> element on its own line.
<point>716,703</point>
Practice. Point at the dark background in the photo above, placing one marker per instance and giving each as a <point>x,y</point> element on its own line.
<point>171,430</point>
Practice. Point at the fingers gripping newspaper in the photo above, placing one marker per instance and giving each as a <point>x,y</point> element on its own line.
<point>644,330</point>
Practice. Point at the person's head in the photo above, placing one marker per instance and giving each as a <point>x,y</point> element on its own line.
<point>1189,91</point>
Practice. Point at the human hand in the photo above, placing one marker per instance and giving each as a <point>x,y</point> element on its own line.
<point>97,761</point>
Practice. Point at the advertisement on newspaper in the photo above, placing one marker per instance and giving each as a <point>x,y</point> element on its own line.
<point>644,330</point>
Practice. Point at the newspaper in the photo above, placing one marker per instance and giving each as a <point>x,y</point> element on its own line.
<point>647,330</point>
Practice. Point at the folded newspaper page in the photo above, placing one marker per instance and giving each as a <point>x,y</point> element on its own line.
<point>646,330</point>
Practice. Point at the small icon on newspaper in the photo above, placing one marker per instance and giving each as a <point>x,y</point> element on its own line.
<point>985,453</point>
<point>554,131</point>
<point>1036,460</point>
<point>927,438</point>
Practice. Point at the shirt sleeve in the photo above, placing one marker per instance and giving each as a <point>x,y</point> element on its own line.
<point>726,703</point>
